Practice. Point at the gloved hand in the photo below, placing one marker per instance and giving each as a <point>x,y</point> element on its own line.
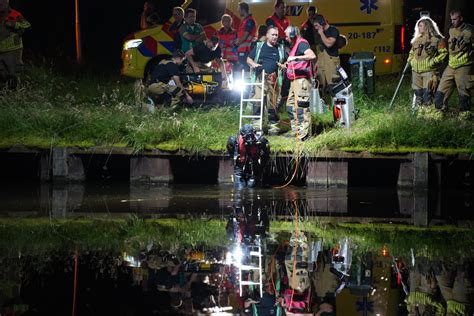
<point>433,83</point>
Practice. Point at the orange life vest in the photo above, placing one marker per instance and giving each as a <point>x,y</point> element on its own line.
<point>245,45</point>
<point>227,44</point>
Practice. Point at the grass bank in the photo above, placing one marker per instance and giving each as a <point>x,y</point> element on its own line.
<point>88,110</point>
<point>40,236</point>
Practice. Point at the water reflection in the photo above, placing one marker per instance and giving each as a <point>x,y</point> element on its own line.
<point>273,256</point>
<point>258,270</point>
<point>361,204</point>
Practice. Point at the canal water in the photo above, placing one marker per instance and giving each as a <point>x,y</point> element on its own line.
<point>339,251</point>
<point>122,198</point>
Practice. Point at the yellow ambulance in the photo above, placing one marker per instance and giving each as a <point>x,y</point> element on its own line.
<point>369,25</point>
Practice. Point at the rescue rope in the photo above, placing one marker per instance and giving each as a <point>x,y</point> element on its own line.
<point>295,247</point>
<point>297,143</point>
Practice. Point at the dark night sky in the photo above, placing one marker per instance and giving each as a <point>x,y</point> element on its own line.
<point>104,24</point>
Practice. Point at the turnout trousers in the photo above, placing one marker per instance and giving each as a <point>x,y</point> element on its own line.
<point>11,65</point>
<point>270,102</point>
<point>297,107</point>
<point>421,83</point>
<point>326,72</point>
<point>160,90</point>
<point>461,78</point>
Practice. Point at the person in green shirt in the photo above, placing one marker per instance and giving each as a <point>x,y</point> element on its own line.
<point>191,32</point>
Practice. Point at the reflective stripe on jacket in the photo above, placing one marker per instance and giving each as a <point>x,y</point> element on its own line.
<point>12,41</point>
<point>244,47</point>
<point>427,54</point>
<point>460,46</point>
<point>227,43</point>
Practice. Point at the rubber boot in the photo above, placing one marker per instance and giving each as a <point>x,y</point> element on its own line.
<point>439,101</point>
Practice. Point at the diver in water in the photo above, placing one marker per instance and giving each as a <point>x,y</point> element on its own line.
<point>250,153</point>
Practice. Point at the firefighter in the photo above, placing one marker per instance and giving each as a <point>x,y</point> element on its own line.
<point>12,26</point>
<point>191,32</point>
<point>161,76</point>
<point>245,34</point>
<point>299,70</point>
<point>250,154</point>
<point>268,56</point>
<point>328,57</point>
<point>426,55</point>
<point>203,54</point>
<point>279,20</point>
<point>149,17</point>
<point>458,73</point>
<point>227,42</point>
<point>308,31</point>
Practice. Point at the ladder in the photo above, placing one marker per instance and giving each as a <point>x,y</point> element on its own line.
<point>244,101</point>
<point>252,251</point>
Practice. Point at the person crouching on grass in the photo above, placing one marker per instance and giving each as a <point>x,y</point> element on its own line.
<point>165,81</point>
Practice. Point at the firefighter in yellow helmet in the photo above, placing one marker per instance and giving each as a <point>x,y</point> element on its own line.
<point>458,73</point>
<point>12,26</point>
<point>426,55</point>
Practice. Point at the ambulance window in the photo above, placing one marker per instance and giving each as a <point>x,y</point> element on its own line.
<point>164,8</point>
<point>209,11</point>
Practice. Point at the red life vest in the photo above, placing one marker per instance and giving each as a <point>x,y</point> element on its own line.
<point>300,68</point>
<point>243,150</point>
<point>281,24</point>
<point>245,45</point>
<point>227,44</point>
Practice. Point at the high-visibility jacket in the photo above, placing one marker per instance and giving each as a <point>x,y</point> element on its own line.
<point>16,25</point>
<point>281,59</point>
<point>299,68</point>
<point>227,41</point>
<point>460,46</point>
<point>244,47</point>
<point>281,24</point>
<point>427,53</point>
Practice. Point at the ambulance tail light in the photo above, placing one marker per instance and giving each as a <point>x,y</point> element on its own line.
<point>399,47</point>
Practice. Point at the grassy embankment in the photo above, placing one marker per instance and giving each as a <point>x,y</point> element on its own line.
<point>88,110</point>
<point>40,236</point>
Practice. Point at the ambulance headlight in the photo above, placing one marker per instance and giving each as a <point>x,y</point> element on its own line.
<point>132,44</point>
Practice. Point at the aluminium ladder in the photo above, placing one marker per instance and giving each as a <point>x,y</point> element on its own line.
<point>252,251</point>
<point>250,100</point>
